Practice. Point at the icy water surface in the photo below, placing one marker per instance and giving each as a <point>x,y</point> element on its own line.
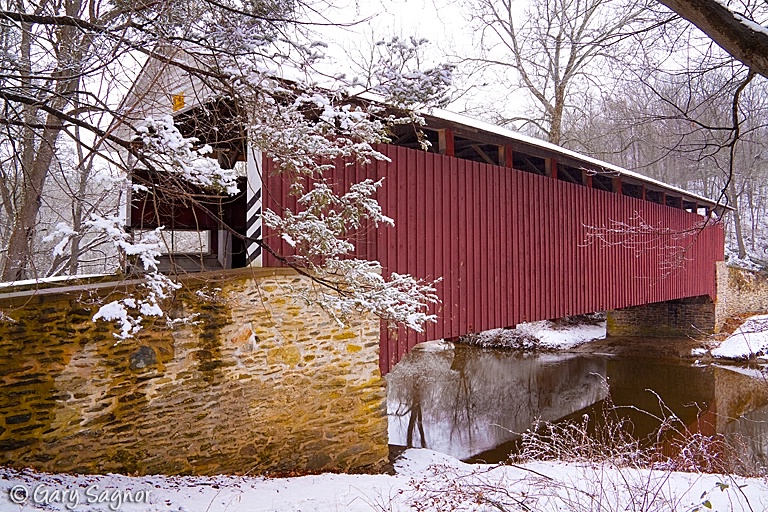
<point>472,403</point>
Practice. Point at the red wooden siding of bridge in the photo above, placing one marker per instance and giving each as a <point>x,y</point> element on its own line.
<point>511,245</point>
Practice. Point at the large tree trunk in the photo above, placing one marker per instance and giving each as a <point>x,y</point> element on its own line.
<point>20,243</point>
<point>744,41</point>
<point>556,126</point>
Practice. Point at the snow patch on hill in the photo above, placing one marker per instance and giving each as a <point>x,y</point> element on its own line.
<point>749,340</point>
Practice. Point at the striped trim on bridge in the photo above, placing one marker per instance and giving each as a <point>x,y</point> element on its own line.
<point>253,251</point>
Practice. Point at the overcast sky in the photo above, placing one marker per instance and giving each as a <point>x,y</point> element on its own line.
<point>445,23</point>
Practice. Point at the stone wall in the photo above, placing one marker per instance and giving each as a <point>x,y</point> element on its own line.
<point>674,318</point>
<point>740,292</point>
<point>260,383</point>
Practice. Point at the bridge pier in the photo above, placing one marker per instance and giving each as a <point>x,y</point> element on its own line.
<point>693,316</point>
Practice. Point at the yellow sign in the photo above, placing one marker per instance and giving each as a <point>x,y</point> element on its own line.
<point>178,101</point>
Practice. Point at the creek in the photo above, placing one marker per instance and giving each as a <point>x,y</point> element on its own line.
<point>473,403</point>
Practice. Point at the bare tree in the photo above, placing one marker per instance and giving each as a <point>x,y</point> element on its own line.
<point>687,114</point>
<point>551,51</point>
<point>66,63</point>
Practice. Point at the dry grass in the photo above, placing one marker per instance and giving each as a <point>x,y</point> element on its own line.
<point>608,439</point>
<point>615,472</point>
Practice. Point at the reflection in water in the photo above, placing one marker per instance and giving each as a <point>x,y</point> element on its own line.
<point>752,435</point>
<point>472,402</point>
<point>466,400</point>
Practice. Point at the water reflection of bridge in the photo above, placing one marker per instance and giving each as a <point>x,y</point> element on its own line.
<point>473,403</point>
<point>467,401</point>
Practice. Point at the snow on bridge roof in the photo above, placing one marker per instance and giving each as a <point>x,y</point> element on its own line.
<point>474,124</point>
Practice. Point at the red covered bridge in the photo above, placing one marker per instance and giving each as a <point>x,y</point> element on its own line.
<point>518,229</point>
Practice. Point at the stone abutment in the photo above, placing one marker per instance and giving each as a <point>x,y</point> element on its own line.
<point>257,382</point>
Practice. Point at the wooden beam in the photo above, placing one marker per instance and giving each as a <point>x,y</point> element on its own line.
<point>406,139</point>
<point>563,174</point>
<point>550,164</point>
<point>483,154</point>
<point>509,160</point>
<point>446,142</point>
<point>531,168</point>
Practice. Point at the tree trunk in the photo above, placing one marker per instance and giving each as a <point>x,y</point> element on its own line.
<point>733,200</point>
<point>745,42</point>
<point>752,219</point>
<point>37,158</point>
<point>20,244</point>
<point>77,208</point>
<point>556,126</point>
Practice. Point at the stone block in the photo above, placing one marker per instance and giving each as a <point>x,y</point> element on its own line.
<point>263,383</point>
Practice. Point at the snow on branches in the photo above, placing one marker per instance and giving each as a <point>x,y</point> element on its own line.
<point>308,131</point>
<point>171,152</point>
<point>357,286</point>
<point>317,233</point>
<point>306,134</point>
<point>129,312</point>
<point>164,146</point>
<point>63,232</point>
<point>401,81</point>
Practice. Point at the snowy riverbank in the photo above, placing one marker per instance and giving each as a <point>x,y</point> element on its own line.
<point>543,335</point>
<point>424,480</point>
<point>747,341</point>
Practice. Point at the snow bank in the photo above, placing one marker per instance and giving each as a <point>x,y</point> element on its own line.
<point>553,337</point>
<point>750,339</point>
<point>543,335</point>
<point>425,480</point>
<point>434,346</point>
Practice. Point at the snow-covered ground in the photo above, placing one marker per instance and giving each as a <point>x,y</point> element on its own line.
<point>546,335</point>
<point>424,480</point>
<point>750,339</point>
<point>555,337</point>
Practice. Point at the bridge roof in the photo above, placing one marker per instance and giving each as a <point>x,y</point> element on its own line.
<point>439,118</point>
<point>159,81</point>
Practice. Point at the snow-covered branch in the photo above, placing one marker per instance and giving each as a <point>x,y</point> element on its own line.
<point>318,234</point>
<point>403,83</point>
<point>639,237</point>
<point>358,287</point>
<point>169,151</point>
<point>130,311</point>
<point>306,135</point>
